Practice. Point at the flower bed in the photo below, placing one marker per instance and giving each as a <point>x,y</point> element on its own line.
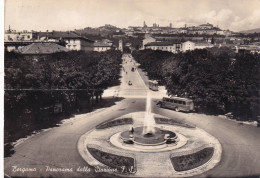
<point>115,123</point>
<point>121,163</point>
<point>191,161</point>
<point>172,122</point>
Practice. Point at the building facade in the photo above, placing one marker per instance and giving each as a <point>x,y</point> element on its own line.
<point>188,46</point>
<point>73,41</point>
<point>120,46</point>
<point>173,47</point>
<point>176,47</point>
<point>79,43</point>
<point>18,36</point>
<point>101,46</point>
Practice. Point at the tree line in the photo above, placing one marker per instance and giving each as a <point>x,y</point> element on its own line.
<point>34,84</point>
<point>217,79</point>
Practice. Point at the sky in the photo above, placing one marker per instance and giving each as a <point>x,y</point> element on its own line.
<point>42,15</point>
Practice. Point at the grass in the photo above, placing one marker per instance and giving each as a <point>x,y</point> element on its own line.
<point>191,161</point>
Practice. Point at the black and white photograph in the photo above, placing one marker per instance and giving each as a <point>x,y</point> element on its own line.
<point>130,88</point>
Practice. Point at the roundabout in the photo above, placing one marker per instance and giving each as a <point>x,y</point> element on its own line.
<point>174,150</point>
<point>144,144</point>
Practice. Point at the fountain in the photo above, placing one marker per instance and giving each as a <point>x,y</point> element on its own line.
<point>148,128</point>
<point>148,134</point>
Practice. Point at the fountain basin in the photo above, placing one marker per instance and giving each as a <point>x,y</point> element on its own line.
<point>149,139</point>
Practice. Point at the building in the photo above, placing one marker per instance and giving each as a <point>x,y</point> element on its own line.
<point>107,41</point>
<point>203,45</point>
<point>249,48</point>
<point>73,41</point>
<point>120,46</point>
<point>173,47</point>
<point>102,46</point>
<point>17,45</point>
<point>148,40</point>
<point>188,45</point>
<point>79,43</point>
<point>42,49</point>
<point>177,46</point>
<point>206,26</point>
<point>12,35</point>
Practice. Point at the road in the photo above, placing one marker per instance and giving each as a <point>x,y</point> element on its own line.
<point>57,147</point>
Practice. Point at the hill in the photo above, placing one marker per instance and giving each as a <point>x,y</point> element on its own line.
<point>257,30</point>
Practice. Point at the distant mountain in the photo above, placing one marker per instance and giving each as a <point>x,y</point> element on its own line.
<point>257,30</point>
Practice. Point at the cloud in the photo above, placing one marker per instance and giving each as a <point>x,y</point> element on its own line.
<point>250,22</point>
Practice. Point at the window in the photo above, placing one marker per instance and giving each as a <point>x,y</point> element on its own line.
<point>175,101</point>
<point>179,102</point>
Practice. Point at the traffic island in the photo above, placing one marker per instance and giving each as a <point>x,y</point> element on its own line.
<point>193,151</point>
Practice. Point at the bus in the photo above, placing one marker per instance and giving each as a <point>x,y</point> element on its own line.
<point>153,85</point>
<point>177,103</point>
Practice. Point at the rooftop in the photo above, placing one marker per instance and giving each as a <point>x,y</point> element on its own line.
<point>203,44</point>
<point>43,48</point>
<point>63,35</point>
<point>164,43</point>
<point>102,44</point>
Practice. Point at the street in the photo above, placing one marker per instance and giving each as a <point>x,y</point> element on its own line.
<point>57,147</point>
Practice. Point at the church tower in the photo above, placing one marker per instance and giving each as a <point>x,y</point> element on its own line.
<point>145,24</point>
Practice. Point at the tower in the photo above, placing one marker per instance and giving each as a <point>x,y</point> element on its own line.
<point>170,25</point>
<point>145,24</point>
<point>120,47</point>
